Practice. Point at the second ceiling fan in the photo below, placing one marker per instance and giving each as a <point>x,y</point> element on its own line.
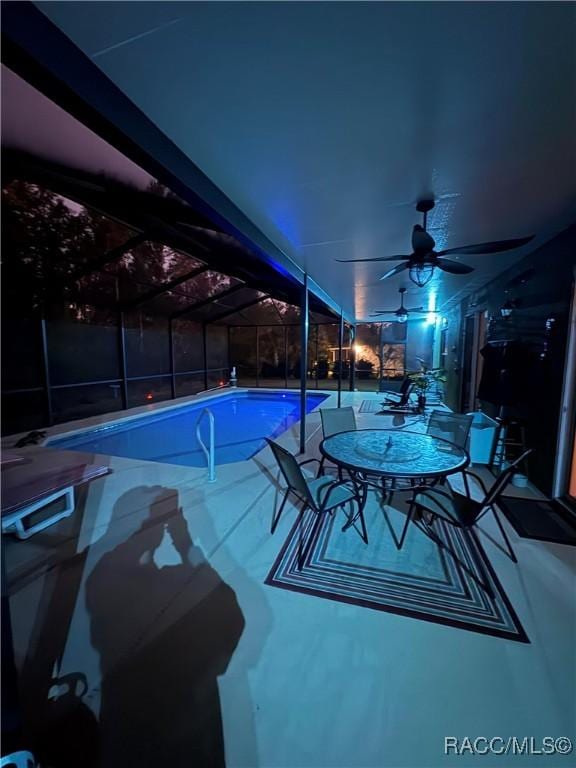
<point>402,312</point>
<point>423,260</point>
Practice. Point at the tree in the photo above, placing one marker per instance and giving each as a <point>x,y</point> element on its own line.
<point>49,238</point>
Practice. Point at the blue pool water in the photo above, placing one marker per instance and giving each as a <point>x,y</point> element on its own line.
<point>242,421</point>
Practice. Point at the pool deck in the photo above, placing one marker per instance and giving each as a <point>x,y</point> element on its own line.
<point>311,683</point>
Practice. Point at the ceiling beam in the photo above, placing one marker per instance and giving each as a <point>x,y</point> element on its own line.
<point>107,258</point>
<point>164,287</point>
<point>277,310</point>
<point>209,300</point>
<point>234,310</point>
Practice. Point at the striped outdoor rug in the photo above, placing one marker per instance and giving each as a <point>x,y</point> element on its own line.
<point>421,581</point>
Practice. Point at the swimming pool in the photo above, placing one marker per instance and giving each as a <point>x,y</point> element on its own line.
<point>242,421</point>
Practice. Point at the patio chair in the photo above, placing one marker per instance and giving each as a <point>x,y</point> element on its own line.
<point>462,511</point>
<point>321,494</point>
<point>335,420</point>
<point>454,427</point>
<point>403,404</point>
<point>28,493</point>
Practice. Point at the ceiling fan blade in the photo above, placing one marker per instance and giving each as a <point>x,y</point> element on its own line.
<point>384,312</point>
<point>421,240</point>
<point>415,309</point>
<point>200,230</point>
<point>454,267</point>
<point>494,247</point>
<point>379,258</point>
<point>395,271</point>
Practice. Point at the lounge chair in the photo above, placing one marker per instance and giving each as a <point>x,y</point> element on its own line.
<point>401,397</point>
<point>402,403</point>
<point>31,487</point>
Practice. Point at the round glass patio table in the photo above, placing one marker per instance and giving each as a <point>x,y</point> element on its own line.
<point>394,453</point>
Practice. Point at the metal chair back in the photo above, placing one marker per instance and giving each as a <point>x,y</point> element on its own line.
<point>291,472</point>
<point>335,420</point>
<point>454,427</point>
<point>406,385</point>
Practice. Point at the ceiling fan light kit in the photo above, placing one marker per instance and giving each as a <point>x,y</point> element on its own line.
<point>402,312</point>
<point>421,273</point>
<point>423,260</point>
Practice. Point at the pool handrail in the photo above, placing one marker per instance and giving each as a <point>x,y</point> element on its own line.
<point>210,451</point>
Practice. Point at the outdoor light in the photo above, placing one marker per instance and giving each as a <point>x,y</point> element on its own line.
<point>420,274</point>
<point>507,309</point>
<point>149,396</point>
<point>431,316</point>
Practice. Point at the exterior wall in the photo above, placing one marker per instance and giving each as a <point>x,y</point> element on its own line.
<point>452,363</point>
<point>540,321</point>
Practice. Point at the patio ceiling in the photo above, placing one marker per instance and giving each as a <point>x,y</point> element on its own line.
<point>325,122</point>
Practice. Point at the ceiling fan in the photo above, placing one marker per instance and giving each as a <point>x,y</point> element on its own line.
<point>423,260</point>
<point>402,312</point>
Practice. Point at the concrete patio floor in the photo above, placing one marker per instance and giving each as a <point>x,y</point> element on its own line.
<point>302,682</point>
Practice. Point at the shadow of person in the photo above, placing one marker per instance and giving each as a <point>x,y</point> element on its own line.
<point>164,634</point>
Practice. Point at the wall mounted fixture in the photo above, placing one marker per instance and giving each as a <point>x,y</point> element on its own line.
<point>548,331</point>
<point>507,309</point>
